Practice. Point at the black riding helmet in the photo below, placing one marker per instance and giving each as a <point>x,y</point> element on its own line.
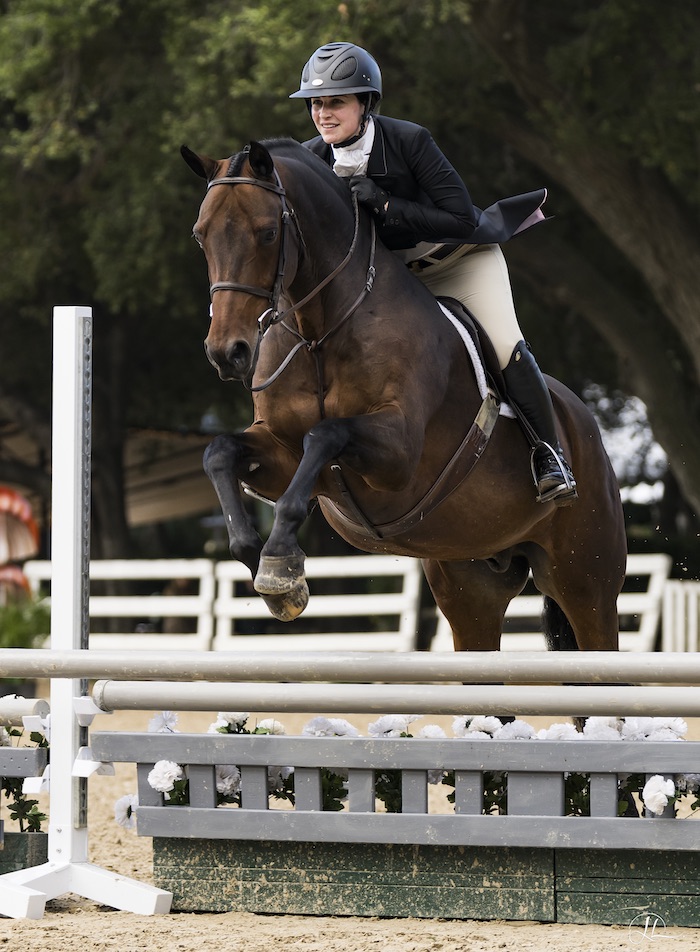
<point>340,69</point>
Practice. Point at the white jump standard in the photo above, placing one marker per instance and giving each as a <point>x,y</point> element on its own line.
<point>24,894</point>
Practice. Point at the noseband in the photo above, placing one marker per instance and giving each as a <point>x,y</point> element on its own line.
<point>273,315</point>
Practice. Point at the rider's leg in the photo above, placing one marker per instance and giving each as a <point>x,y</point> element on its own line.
<point>480,280</point>
<point>527,389</point>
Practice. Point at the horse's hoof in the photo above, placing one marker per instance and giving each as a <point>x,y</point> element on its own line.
<point>279,574</point>
<point>281,582</point>
<point>288,606</point>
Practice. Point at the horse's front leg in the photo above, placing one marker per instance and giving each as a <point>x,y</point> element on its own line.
<point>255,458</point>
<point>224,464</point>
<point>375,445</point>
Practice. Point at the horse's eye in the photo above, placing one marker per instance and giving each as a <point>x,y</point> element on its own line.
<point>197,239</point>
<point>269,236</point>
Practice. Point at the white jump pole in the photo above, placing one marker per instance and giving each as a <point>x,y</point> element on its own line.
<point>23,894</point>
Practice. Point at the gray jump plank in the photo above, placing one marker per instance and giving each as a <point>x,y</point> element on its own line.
<point>345,827</point>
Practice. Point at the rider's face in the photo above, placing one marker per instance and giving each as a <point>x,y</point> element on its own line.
<point>337,118</point>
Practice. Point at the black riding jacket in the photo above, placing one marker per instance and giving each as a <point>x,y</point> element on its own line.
<point>428,199</point>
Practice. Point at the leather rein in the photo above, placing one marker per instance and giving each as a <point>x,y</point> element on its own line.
<point>272,315</point>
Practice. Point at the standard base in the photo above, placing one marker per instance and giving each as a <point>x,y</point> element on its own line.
<point>24,893</point>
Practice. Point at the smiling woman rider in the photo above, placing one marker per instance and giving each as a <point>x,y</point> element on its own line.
<point>424,213</point>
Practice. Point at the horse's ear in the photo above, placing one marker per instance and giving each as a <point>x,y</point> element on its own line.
<point>201,165</point>
<point>260,160</point>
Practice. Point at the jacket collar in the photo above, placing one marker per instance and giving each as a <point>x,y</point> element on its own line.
<point>377,157</point>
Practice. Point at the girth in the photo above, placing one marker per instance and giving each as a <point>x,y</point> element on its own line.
<point>453,475</point>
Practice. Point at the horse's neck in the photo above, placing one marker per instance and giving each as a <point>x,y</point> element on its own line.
<point>310,320</point>
<point>325,309</point>
<point>327,234</point>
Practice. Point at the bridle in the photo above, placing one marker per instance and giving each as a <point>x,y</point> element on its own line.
<point>272,315</point>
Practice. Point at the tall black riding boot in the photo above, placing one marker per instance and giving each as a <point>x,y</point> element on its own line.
<point>527,389</point>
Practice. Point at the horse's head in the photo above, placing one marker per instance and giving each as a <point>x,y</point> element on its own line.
<point>244,230</point>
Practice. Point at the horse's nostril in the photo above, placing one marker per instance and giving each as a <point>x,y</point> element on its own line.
<point>238,355</point>
<point>232,360</point>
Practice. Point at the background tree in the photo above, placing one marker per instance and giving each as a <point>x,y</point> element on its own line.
<point>599,101</point>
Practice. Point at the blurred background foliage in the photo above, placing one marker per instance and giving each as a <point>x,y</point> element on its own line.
<point>599,100</point>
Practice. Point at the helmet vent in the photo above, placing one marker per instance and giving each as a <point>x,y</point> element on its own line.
<point>346,69</point>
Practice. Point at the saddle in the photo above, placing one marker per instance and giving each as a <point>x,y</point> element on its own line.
<point>489,361</point>
<point>482,343</point>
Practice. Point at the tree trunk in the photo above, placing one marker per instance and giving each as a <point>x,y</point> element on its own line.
<point>639,213</point>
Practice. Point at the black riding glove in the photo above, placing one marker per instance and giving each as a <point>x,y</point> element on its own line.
<point>370,194</point>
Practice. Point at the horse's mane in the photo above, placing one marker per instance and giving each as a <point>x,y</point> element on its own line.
<point>287,148</point>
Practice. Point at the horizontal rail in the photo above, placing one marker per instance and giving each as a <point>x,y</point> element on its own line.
<point>536,667</point>
<point>397,698</point>
<point>393,753</point>
<point>13,709</point>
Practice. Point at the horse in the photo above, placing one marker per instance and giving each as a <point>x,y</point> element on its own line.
<point>366,403</point>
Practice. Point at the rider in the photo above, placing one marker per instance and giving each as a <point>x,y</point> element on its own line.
<point>424,213</point>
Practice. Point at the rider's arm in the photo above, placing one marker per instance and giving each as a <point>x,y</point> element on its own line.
<point>441,208</point>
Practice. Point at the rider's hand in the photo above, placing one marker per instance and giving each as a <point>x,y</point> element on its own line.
<point>370,194</point>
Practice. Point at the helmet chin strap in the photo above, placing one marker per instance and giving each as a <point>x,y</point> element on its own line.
<point>356,138</point>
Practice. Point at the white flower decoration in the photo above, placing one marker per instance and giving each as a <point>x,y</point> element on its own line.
<point>228,780</point>
<point>392,725</point>
<point>471,724</point>
<point>656,794</point>
<point>432,731</point>
<point>662,734</point>
<point>637,728</point>
<point>559,732</point>
<point>276,777</point>
<point>224,721</point>
<point>164,775</point>
<point>329,727</point>
<point>515,730</point>
<point>125,810</point>
<point>269,725</point>
<point>163,723</point>
<point>602,728</point>
<point>666,728</point>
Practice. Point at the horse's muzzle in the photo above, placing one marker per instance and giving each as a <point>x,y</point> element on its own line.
<point>232,361</point>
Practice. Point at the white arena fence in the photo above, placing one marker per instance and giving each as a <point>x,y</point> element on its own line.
<point>681,616</point>
<point>357,602</point>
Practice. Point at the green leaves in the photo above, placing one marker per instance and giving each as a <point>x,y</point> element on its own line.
<point>25,812</point>
<point>24,624</point>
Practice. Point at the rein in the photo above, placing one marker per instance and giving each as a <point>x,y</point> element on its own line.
<point>272,315</point>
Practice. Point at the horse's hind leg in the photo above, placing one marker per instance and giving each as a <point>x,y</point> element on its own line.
<point>584,582</point>
<point>473,597</point>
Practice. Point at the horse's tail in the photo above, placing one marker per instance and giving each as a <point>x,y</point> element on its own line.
<point>558,633</point>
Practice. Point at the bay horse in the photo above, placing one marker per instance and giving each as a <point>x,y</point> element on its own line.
<point>365,400</point>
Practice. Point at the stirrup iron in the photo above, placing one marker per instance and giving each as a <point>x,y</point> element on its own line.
<point>562,495</point>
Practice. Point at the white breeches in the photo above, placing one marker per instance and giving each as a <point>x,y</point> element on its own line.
<point>479,279</point>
